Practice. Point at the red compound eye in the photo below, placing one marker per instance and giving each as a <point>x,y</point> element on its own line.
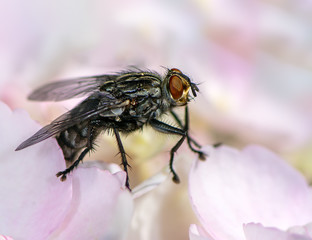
<point>176,87</point>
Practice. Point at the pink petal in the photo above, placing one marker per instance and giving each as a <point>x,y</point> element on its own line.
<point>33,201</point>
<point>231,188</point>
<point>5,238</point>
<point>303,230</point>
<point>197,233</point>
<point>258,232</point>
<point>150,184</point>
<point>101,207</point>
<point>164,212</point>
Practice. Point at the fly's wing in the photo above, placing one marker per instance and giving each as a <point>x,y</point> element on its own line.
<point>92,106</point>
<point>62,90</point>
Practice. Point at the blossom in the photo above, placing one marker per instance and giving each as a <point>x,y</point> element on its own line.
<point>252,61</point>
<point>35,204</point>
<point>233,192</point>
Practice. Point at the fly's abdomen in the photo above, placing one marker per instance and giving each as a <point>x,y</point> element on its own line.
<point>72,140</point>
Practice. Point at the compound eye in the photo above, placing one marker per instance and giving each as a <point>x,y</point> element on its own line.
<point>176,87</point>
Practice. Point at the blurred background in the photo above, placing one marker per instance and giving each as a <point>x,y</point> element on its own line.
<point>252,60</point>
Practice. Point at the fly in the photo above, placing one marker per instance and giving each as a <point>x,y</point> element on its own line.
<point>122,103</point>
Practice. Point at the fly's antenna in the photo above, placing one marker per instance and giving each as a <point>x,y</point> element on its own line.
<point>194,89</point>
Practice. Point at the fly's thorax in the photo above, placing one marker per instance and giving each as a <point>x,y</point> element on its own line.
<point>143,90</point>
<point>115,110</point>
<point>142,108</point>
<point>136,107</point>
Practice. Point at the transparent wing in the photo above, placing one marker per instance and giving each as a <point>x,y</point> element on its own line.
<point>90,107</point>
<point>62,90</point>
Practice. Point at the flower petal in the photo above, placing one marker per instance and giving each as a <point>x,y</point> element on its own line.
<point>150,184</point>
<point>33,201</point>
<point>302,230</point>
<point>231,188</point>
<point>196,233</point>
<point>258,232</point>
<point>101,207</point>
<point>5,238</point>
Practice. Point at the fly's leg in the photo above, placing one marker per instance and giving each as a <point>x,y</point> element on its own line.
<point>124,161</point>
<point>63,174</point>
<point>189,139</point>
<point>177,119</point>
<point>201,155</point>
<point>175,177</point>
<point>166,128</point>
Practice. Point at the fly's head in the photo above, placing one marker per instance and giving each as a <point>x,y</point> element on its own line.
<point>177,86</point>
